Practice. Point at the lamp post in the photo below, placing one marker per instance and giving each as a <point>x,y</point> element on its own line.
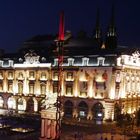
<point>59,44</point>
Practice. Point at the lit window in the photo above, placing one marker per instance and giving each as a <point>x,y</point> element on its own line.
<point>31,88</point>
<point>83,87</point>
<point>55,75</point>
<point>1,102</point>
<point>55,88</point>
<point>10,74</point>
<point>20,75</point>
<point>10,86</point>
<point>31,75</point>
<point>11,103</point>
<point>20,87</point>
<point>43,89</point>
<point>69,90</point>
<point>43,75</point>
<point>69,75</point>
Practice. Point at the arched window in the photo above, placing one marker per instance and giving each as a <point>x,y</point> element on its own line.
<point>32,105</point>
<point>83,109</point>
<point>35,105</point>
<point>1,102</point>
<point>11,103</point>
<point>20,87</point>
<point>21,104</point>
<point>98,113</point>
<point>68,109</point>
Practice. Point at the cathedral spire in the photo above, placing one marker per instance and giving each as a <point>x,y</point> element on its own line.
<point>97,32</point>
<point>97,26</point>
<point>112,28</point>
<point>111,39</point>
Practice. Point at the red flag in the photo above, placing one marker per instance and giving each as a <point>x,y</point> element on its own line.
<point>61,27</point>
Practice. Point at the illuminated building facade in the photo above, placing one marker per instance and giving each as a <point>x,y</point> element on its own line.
<point>92,84</point>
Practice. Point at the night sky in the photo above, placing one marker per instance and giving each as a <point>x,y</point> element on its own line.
<point>22,19</point>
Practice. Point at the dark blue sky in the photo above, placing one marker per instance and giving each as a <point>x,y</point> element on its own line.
<point>22,19</point>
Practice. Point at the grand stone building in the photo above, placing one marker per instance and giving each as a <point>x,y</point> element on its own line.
<point>98,76</point>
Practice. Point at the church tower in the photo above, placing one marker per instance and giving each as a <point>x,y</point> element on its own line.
<point>97,35</point>
<point>111,37</point>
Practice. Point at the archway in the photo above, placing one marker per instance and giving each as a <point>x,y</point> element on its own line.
<point>82,110</point>
<point>30,105</point>
<point>98,112</point>
<point>117,111</point>
<point>21,104</point>
<point>1,102</point>
<point>35,105</point>
<point>68,109</point>
<point>11,103</point>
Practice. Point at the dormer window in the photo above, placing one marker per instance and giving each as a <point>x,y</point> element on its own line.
<point>70,61</point>
<point>85,61</point>
<point>11,63</point>
<point>101,61</point>
<point>1,63</point>
<point>56,62</point>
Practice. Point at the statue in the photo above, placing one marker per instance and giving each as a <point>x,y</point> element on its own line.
<point>51,100</point>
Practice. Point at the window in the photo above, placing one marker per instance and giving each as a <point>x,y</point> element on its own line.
<point>70,75</point>
<point>55,75</point>
<point>43,89</point>
<point>31,75</point>
<point>20,87</point>
<point>20,75</point>
<point>10,74</point>
<point>70,61</point>
<point>43,75</point>
<point>69,90</point>
<point>10,86</point>
<point>55,88</point>
<point>1,102</point>
<point>31,88</point>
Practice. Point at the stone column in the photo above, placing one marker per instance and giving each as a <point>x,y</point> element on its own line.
<point>5,82</point>
<point>53,132</point>
<point>42,128</point>
<point>48,124</point>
